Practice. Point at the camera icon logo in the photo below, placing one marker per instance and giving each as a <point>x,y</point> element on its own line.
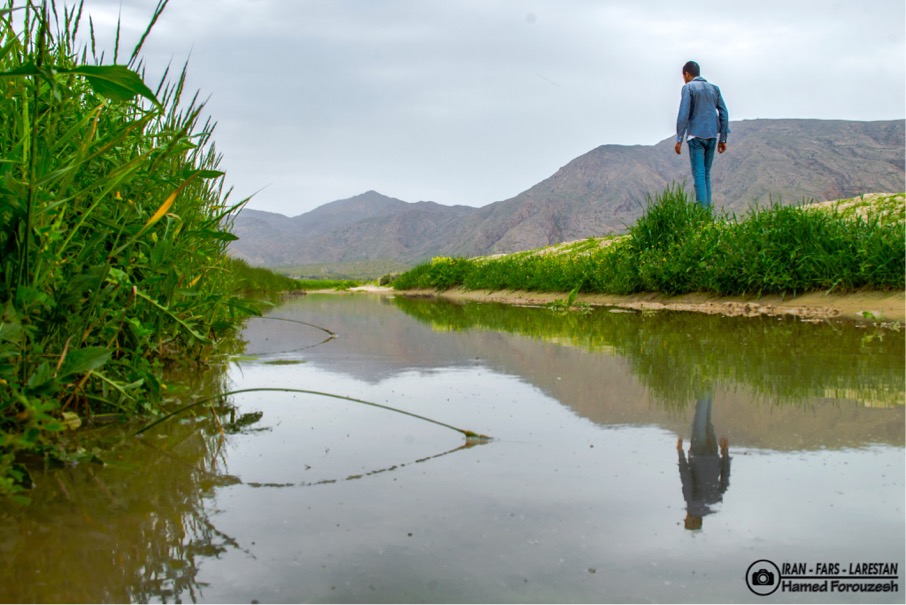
<point>763,577</point>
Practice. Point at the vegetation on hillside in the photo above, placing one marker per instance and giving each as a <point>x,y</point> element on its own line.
<point>361,270</point>
<point>250,280</point>
<point>112,235</point>
<point>678,247</point>
<point>327,284</point>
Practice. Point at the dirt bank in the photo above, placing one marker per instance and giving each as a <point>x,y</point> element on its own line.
<point>858,306</point>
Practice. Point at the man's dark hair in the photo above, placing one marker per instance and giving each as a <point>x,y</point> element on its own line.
<point>692,68</point>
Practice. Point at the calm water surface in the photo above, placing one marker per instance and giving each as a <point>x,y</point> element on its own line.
<point>791,450</point>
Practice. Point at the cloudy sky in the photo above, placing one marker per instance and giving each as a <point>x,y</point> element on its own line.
<point>474,101</point>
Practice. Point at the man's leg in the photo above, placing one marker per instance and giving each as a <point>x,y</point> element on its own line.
<point>697,160</point>
<point>710,145</point>
<point>704,441</point>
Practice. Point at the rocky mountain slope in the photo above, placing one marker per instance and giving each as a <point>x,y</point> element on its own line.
<point>601,191</point>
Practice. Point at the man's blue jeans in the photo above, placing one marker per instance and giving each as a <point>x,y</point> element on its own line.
<point>701,155</point>
<point>704,441</point>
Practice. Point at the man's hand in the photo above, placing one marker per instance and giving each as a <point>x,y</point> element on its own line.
<point>679,147</point>
<point>721,147</point>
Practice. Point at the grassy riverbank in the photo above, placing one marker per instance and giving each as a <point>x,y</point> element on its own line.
<point>256,280</point>
<point>679,248</point>
<point>113,235</point>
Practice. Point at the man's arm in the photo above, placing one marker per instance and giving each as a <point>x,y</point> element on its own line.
<point>682,118</point>
<point>724,464</point>
<point>723,117</point>
<point>685,470</point>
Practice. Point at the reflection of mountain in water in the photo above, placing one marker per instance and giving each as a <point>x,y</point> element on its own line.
<point>373,340</point>
<point>777,383</point>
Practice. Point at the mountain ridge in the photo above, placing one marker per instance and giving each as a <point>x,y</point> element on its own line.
<point>600,191</point>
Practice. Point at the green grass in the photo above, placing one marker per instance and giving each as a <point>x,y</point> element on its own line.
<point>249,280</point>
<point>328,284</point>
<point>362,270</point>
<point>113,230</point>
<point>677,247</point>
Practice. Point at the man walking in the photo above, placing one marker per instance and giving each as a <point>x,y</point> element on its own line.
<point>703,121</point>
<point>705,475</point>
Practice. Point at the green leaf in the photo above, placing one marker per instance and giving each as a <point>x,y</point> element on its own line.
<point>29,69</point>
<point>41,376</point>
<point>223,236</point>
<point>84,360</point>
<point>116,82</point>
<point>71,420</point>
<point>19,473</point>
<point>11,332</point>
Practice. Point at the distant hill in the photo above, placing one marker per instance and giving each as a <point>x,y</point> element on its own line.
<point>370,226</point>
<point>601,191</point>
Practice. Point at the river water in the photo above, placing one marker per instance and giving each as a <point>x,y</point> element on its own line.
<point>656,457</point>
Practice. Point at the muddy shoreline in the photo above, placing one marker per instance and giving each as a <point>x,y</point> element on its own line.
<point>862,307</point>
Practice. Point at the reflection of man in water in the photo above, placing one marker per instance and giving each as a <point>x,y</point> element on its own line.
<point>705,475</point>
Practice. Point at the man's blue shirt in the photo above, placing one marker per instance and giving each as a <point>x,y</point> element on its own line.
<point>702,112</point>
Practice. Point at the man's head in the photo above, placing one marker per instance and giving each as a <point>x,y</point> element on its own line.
<point>691,70</point>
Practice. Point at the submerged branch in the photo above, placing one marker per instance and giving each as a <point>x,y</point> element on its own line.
<point>471,436</point>
<point>304,323</point>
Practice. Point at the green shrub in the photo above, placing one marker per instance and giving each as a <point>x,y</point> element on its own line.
<point>248,279</point>
<point>670,217</point>
<point>678,247</point>
<point>441,272</point>
<point>113,229</point>
<point>327,284</point>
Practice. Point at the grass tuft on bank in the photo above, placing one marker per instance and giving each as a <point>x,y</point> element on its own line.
<point>249,280</point>
<point>677,247</point>
<point>328,284</point>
